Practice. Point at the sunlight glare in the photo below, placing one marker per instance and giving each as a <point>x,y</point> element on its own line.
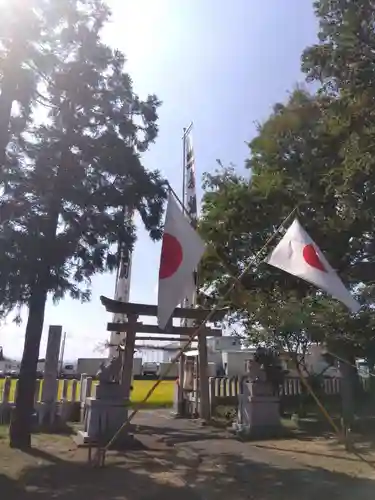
<point>139,27</point>
<point>20,2</point>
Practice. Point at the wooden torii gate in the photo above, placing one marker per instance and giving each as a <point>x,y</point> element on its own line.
<point>132,327</point>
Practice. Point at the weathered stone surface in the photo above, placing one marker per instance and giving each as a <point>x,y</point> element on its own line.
<point>103,418</point>
<point>258,411</point>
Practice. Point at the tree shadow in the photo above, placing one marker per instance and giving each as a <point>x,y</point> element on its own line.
<point>362,437</point>
<point>11,489</point>
<point>172,435</point>
<point>171,474</point>
<point>360,444</point>
<point>293,451</point>
<point>43,455</point>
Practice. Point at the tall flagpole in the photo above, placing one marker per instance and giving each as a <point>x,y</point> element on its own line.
<point>183,165</point>
<point>188,184</point>
<point>191,210</point>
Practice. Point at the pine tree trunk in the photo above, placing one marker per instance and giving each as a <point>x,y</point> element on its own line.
<point>20,428</point>
<point>21,422</point>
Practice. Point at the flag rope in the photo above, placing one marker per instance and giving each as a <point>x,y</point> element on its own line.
<point>193,335</point>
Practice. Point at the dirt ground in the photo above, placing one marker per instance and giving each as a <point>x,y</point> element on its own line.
<point>185,461</point>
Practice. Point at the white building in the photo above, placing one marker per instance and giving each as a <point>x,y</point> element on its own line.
<point>224,355</point>
<point>9,365</point>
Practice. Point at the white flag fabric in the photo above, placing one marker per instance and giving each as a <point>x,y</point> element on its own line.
<point>297,254</point>
<point>182,250</point>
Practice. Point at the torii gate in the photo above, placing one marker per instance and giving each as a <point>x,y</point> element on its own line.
<point>132,327</point>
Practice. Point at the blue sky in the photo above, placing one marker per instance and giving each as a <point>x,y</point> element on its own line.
<point>217,63</point>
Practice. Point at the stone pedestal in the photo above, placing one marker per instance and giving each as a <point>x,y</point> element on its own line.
<point>103,418</point>
<point>258,412</point>
<point>104,415</point>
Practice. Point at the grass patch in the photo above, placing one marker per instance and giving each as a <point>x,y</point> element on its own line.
<point>161,398</point>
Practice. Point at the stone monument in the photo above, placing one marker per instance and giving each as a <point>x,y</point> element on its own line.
<point>107,411</point>
<point>180,406</point>
<point>258,408</point>
<point>48,408</point>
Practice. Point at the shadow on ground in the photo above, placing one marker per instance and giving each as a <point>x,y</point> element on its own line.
<point>171,474</point>
<point>362,436</point>
<point>172,435</point>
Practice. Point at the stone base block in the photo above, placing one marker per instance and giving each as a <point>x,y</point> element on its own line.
<point>258,410</point>
<point>83,439</point>
<point>258,417</point>
<point>47,413</point>
<point>103,418</point>
<point>126,440</point>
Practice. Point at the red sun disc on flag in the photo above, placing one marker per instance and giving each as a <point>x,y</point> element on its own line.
<point>312,258</point>
<point>171,256</point>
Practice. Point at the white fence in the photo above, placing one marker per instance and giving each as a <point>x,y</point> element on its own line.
<point>70,394</point>
<point>69,399</point>
<point>222,387</point>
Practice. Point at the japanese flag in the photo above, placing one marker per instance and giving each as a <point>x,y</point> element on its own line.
<point>181,252</point>
<point>297,254</point>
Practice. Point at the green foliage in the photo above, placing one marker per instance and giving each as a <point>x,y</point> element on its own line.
<point>68,179</point>
<point>74,173</point>
<point>314,153</point>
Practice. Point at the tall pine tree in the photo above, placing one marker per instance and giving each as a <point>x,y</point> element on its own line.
<point>75,174</point>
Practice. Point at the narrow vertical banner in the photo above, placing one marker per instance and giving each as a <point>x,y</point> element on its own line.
<point>122,289</point>
<point>190,197</point>
<point>191,207</point>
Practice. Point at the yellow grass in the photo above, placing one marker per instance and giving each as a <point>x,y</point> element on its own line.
<point>163,395</point>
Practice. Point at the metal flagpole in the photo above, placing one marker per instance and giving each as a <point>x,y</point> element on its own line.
<point>183,166</point>
<point>181,367</point>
